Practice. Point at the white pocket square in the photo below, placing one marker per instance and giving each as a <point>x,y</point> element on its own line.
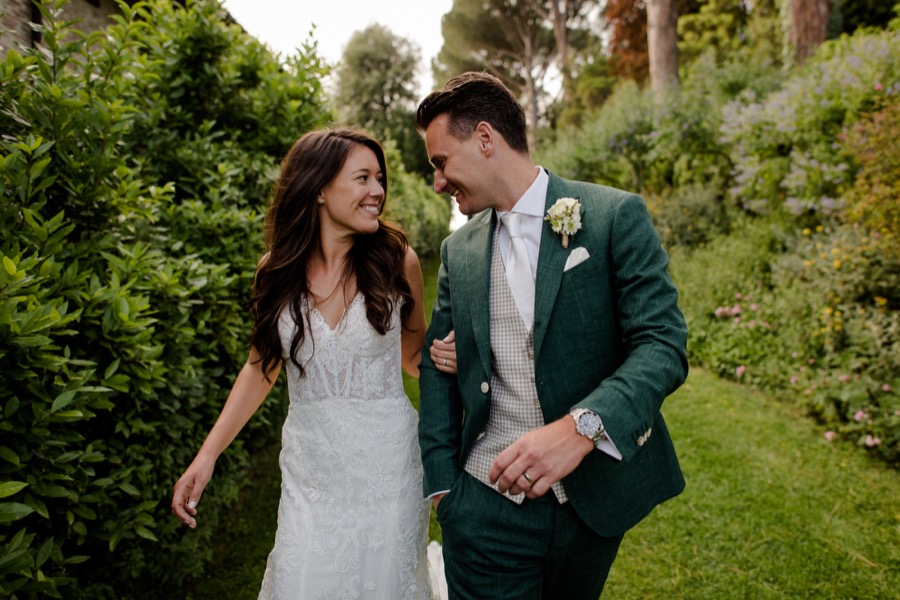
<point>576,257</point>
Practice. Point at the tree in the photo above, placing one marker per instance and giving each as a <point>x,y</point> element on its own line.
<point>590,87</point>
<point>569,21</point>
<point>808,26</point>
<point>627,24</point>
<point>662,44</point>
<point>376,90</point>
<point>509,39</point>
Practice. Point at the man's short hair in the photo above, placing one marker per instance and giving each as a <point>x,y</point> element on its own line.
<point>473,97</point>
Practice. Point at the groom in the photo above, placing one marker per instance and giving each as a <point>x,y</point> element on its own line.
<point>549,444</point>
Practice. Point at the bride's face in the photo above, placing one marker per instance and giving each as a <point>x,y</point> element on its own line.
<point>352,201</point>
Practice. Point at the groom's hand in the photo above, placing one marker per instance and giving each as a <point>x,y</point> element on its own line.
<point>540,458</point>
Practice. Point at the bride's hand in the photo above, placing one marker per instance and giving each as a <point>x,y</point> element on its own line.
<point>443,354</point>
<point>189,488</point>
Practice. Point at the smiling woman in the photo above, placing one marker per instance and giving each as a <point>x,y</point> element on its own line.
<point>338,301</point>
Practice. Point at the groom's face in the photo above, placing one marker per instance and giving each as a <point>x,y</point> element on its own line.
<point>458,166</point>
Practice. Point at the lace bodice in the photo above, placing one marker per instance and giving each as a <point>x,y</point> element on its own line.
<point>350,361</point>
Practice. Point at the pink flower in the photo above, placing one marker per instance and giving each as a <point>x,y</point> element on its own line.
<point>738,296</point>
<point>740,371</point>
<point>859,416</point>
<point>872,441</point>
<point>794,355</point>
<point>830,436</point>
<point>878,87</point>
<point>843,378</point>
<point>794,379</point>
<point>737,320</point>
<point>811,361</point>
<point>886,388</point>
<point>754,307</point>
<point>736,309</point>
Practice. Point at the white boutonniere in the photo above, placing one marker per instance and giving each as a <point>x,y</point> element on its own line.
<point>565,218</point>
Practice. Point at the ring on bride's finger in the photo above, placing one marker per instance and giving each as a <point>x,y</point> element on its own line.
<point>445,362</point>
<point>528,479</point>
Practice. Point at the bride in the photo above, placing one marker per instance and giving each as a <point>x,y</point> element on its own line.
<point>338,301</point>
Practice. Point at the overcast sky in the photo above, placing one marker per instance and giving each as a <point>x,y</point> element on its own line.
<point>284,24</point>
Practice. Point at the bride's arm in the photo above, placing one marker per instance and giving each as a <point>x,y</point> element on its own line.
<point>248,392</point>
<point>412,336</point>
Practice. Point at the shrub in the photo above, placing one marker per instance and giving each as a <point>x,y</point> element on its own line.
<point>783,145</point>
<point>812,317</point>
<point>130,231</point>
<point>874,145</point>
<point>413,204</point>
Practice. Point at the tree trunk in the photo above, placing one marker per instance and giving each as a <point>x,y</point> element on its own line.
<point>561,36</point>
<point>662,44</point>
<point>809,26</point>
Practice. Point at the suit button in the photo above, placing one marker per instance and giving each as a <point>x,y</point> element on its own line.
<point>641,440</point>
<point>485,387</point>
<point>531,354</point>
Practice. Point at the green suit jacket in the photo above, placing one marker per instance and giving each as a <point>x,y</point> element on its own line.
<point>608,336</point>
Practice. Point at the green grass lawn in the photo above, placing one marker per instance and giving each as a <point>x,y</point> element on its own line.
<point>771,510</point>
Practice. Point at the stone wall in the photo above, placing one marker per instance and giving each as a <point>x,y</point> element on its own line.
<point>14,24</point>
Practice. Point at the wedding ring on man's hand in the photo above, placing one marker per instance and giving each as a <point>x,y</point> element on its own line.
<point>528,479</point>
<point>445,362</point>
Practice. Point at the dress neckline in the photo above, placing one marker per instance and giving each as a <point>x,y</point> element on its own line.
<point>313,310</point>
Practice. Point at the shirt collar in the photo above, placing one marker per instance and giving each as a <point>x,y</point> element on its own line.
<point>534,199</point>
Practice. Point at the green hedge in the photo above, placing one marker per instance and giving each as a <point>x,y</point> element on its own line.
<point>135,168</point>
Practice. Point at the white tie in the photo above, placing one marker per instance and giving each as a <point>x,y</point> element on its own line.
<point>518,269</point>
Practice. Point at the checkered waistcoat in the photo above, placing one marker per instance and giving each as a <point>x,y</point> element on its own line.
<point>515,409</point>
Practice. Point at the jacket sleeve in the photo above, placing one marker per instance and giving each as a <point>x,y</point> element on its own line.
<point>440,404</point>
<point>653,330</point>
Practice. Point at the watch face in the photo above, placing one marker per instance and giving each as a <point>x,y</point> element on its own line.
<point>588,424</point>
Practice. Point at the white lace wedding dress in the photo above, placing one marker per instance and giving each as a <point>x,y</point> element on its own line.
<point>352,522</point>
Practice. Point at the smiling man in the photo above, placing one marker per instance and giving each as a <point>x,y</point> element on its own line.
<point>549,444</point>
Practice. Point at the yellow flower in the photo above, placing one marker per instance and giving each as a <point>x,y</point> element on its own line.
<point>806,231</point>
<point>837,263</point>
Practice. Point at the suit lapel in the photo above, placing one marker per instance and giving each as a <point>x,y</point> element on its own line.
<point>479,246</point>
<point>551,260</point>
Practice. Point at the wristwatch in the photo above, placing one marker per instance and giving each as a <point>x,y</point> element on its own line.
<point>588,424</point>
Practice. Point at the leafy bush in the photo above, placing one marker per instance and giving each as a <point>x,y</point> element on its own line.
<point>874,145</point>
<point>811,317</point>
<point>784,145</point>
<point>130,220</point>
<point>413,204</point>
<point>667,148</point>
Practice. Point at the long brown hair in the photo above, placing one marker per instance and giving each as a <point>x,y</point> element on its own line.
<point>292,235</point>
